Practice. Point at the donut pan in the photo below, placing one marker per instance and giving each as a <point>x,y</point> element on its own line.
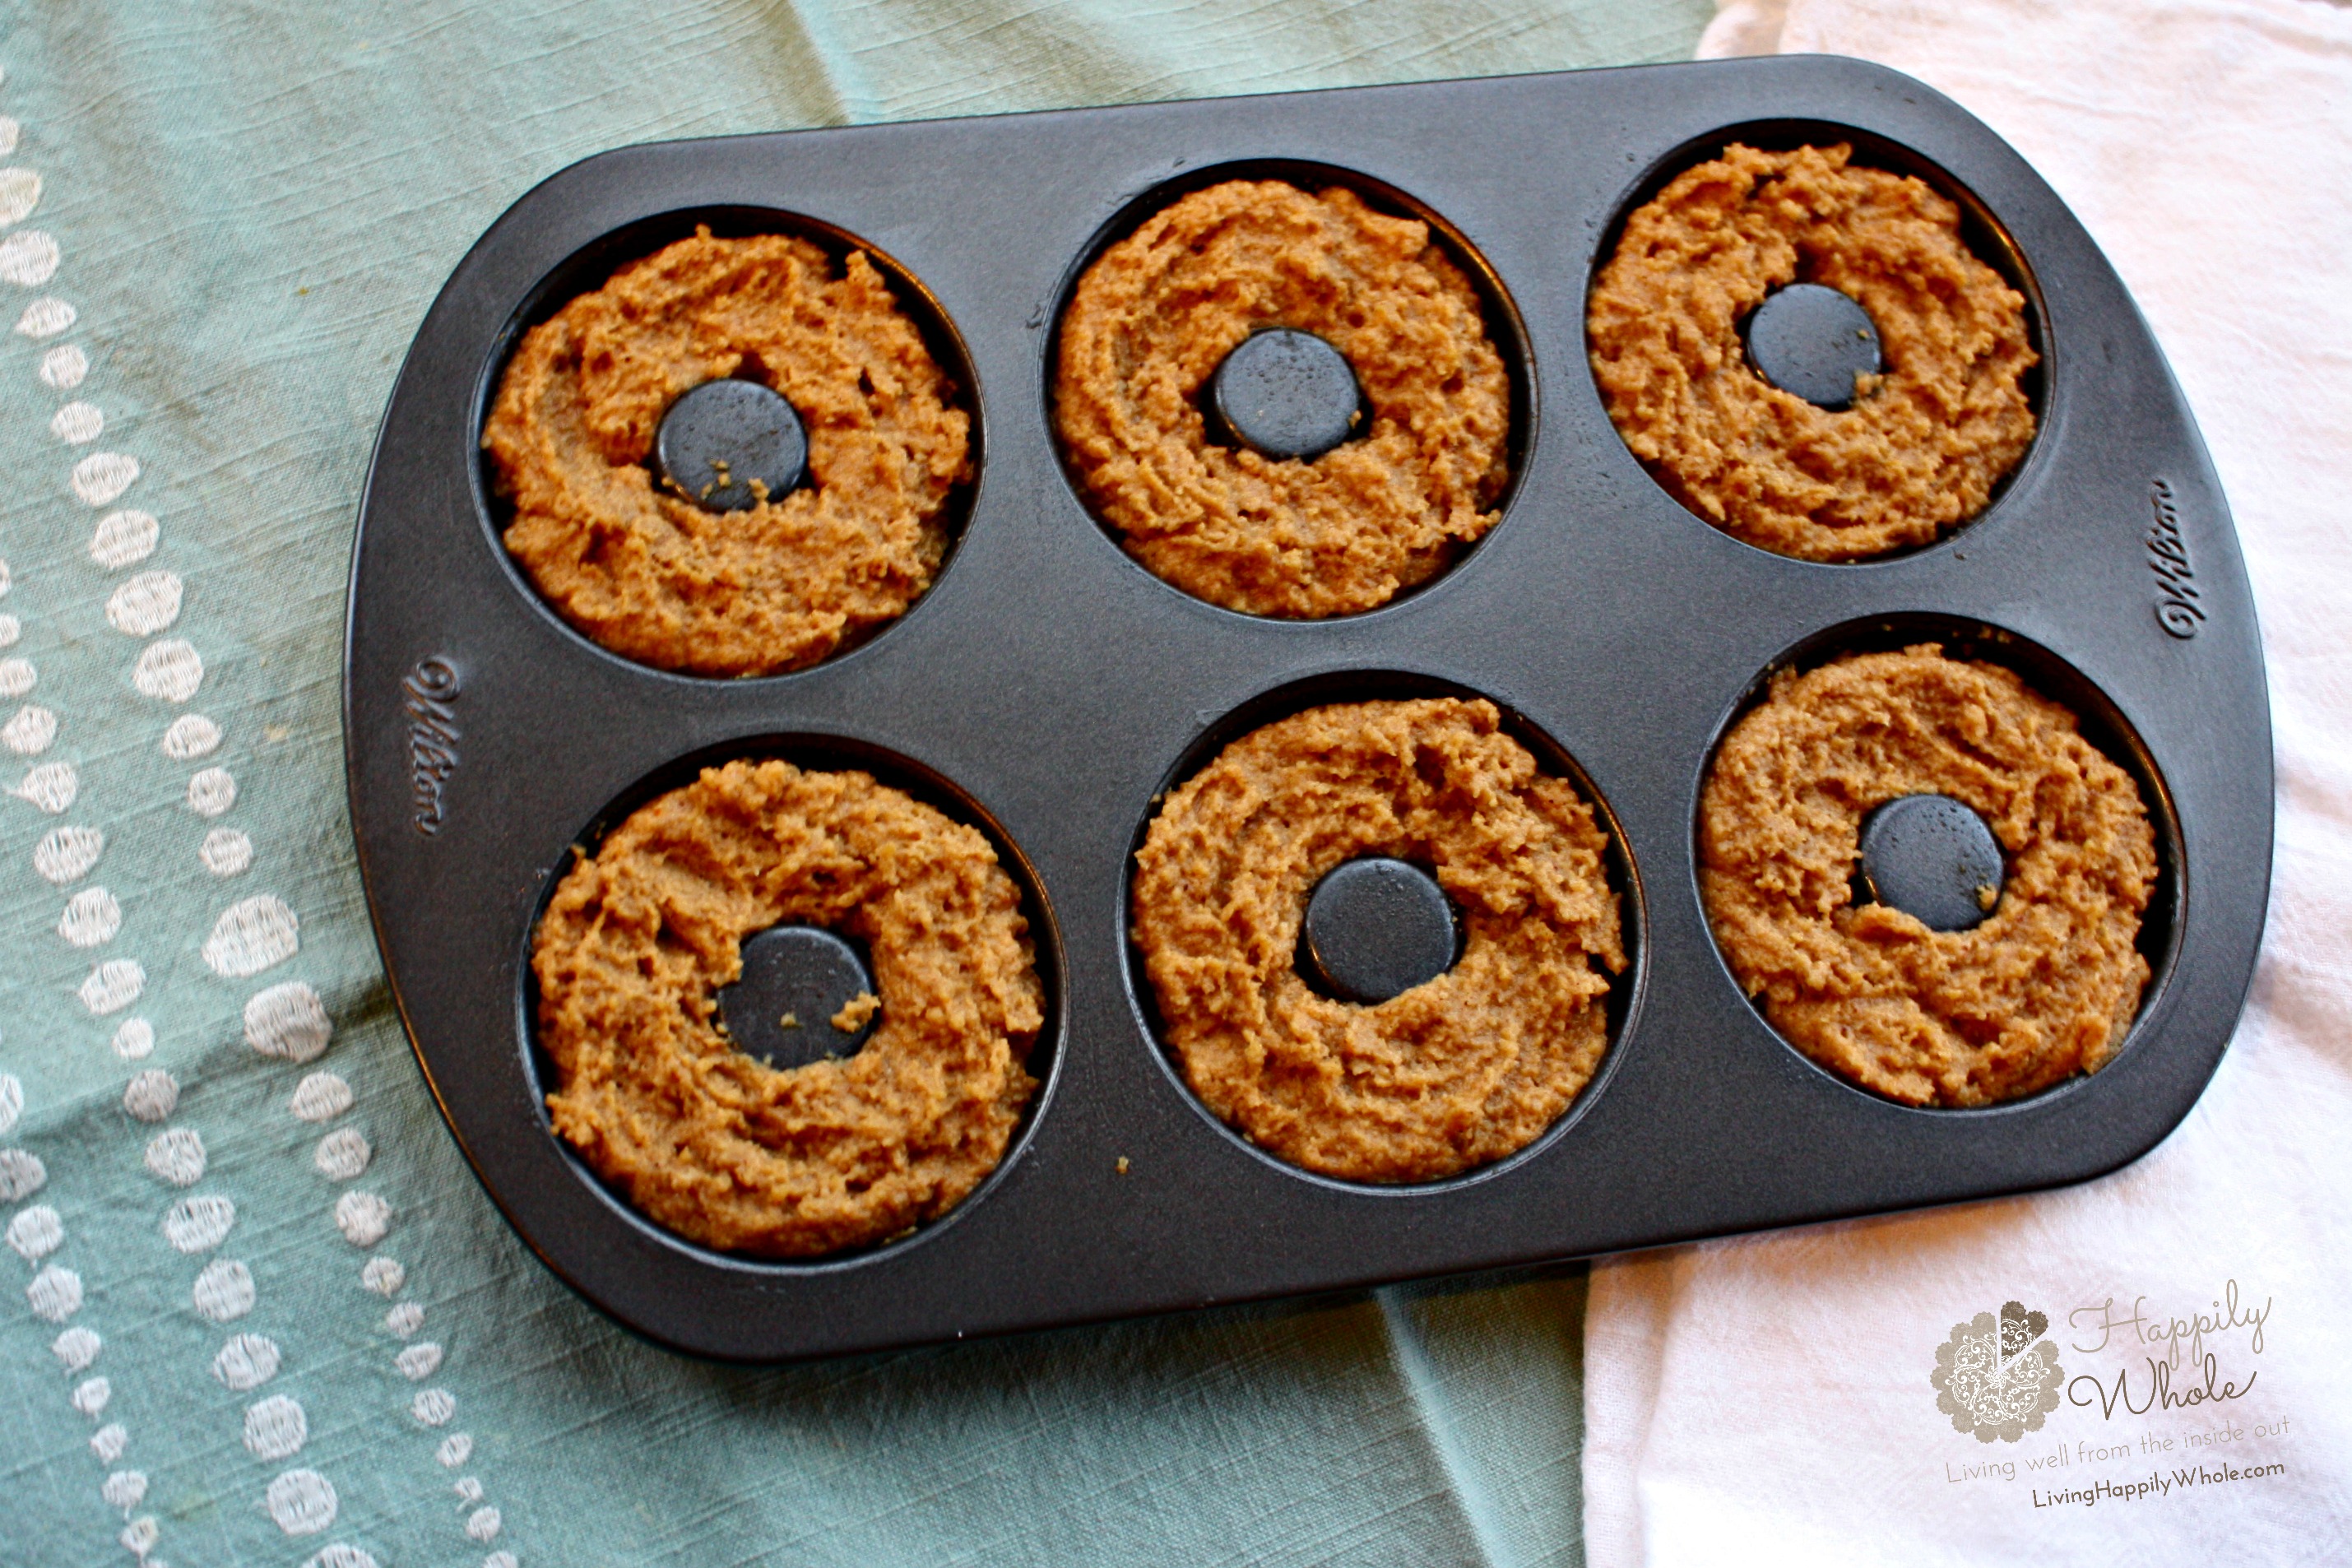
<point>1047,688</point>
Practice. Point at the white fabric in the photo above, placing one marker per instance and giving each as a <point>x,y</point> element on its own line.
<point>1768,1400</point>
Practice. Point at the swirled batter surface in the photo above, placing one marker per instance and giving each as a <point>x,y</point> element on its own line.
<point>1157,314</point>
<point>1456,1072</point>
<point>645,571</point>
<point>1922,444</point>
<point>718,1146</point>
<point>2045,987</point>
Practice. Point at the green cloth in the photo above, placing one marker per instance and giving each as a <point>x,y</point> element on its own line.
<point>248,209</point>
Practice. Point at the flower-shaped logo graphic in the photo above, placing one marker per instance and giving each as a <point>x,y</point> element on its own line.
<point>1998,1379</point>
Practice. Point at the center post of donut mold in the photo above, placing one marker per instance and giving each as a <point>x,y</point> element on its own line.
<point>806,994</point>
<point>1287,394</point>
<point>1376,928</point>
<point>1814,341</point>
<point>729,445</point>
<point>1933,858</point>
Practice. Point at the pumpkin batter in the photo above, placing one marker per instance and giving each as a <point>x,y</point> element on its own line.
<point>718,1146</point>
<point>642,570</point>
<point>1154,317</point>
<point>1922,444</point>
<point>1454,1073</point>
<point>2045,987</point>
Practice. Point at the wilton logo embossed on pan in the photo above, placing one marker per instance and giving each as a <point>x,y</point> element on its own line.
<point>429,694</point>
<point>1997,1378</point>
<point>2177,609</point>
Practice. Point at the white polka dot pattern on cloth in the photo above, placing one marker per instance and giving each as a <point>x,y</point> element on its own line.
<point>64,366</point>
<point>78,423</point>
<point>91,1398</point>
<point>21,1174</point>
<point>55,1294</point>
<point>113,986</point>
<point>76,1348</point>
<point>455,1450</point>
<point>103,476</point>
<point>362,1217</point>
<point>199,1224</point>
<point>151,1096</point>
<point>51,787</point>
<point>301,1501</point>
<point>68,853</point>
<point>12,1101</point>
<point>45,319</point>
<point>144,605</point>
<point>321,1096</point>
<point>224,1291</point>
<point>275,1428</point>
<point>122,538</point>
<point>35,1232</point>
<point>342,1154</point>
<point>340,1556</point>
<point>192,735</point>
<point>134,1040</point>
<point>211,792</point>
<point>30,731</point>
<point>20,189</point>
<point>177,1156</point>
<point>123,1490</point>
<point>225,851</point>
<point>91,447</point>
<point>91,917</point>
<point>169,668</point>
<point>246,1362</point>
<point>287,1020</point>
<point>29,259</point>
<point>251,935</point>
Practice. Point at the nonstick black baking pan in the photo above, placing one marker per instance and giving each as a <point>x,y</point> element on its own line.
<point>1047,688</point>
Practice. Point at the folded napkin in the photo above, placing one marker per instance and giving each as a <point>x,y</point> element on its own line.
<point>1768,1400</point>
